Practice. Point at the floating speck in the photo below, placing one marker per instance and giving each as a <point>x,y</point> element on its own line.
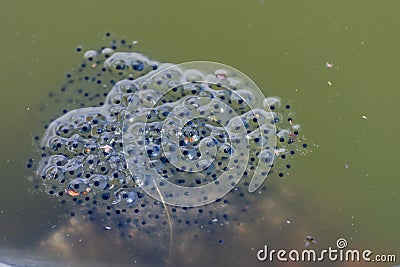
<point>309,240</point>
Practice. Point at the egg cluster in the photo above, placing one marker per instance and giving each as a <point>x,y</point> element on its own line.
<point>140,133</point>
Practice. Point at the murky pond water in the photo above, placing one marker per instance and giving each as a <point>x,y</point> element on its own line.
<point>334,67</point>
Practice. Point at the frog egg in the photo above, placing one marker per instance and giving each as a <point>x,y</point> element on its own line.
<point>193,75</point>
<point>204,164</point>
<point>90,55</point>
<point>125,197</point>
<point>223,94</point>
<point>153,151</point>
<point>192,103</point>
<point>114,99</point>
<point>57,160</point>
<point>148,98</point>
<point>244,95</point>
<point>190,153</point>
<point>74,166</point>
<point>74,145</point>
<point>119,64</point>
<point>208,148</point>
<point>277,118</point>
<point>163,112</point>
<point>103,167</point>
<point>65,129</point>
<point>137,65</point>
<point>57,143</point>
<point>283,135</point>
<point>107,52</point>
<point>78,185</point>
<point>98,183</point>
<point>53,173</point>
<point>272,103</point>
<point>190,134</point>
<point>133,63</point>
<point>124,86</point>
<point>113,127</point>
<point>83,128</point>
<point>90,162</point>
<point>226,150</point>
<point>221,74</point>
<point>217,106</point>
<point>266,156</point>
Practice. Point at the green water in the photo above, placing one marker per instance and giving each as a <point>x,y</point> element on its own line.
<point>348,186</point>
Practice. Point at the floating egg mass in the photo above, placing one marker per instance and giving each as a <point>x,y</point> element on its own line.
<point>147,145</point>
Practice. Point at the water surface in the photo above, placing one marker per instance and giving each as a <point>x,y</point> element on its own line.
<point>283,47</point>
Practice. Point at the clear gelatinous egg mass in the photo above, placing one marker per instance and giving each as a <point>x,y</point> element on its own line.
<point>144,144</point>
